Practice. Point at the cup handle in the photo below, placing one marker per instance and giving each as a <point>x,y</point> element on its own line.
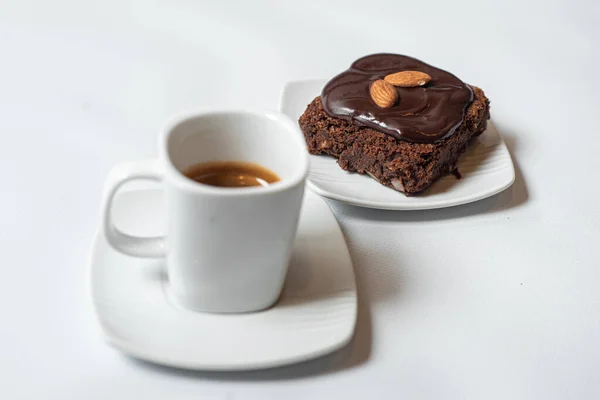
<point>150,247</point>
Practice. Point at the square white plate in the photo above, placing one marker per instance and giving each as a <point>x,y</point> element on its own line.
<point>315,315</point>
<point>486,168</point>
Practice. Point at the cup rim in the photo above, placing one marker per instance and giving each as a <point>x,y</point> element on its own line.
<point>176,177</point>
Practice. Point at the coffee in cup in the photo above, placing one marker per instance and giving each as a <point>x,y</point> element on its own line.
<point>229,240</point>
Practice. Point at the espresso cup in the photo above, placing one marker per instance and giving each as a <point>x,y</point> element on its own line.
<point>226,249</point>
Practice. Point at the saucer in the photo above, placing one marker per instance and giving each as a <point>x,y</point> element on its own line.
<point>486,168</point>
<point>315,315</point>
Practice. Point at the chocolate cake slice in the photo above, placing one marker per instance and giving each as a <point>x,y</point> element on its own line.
<point>406,145</point>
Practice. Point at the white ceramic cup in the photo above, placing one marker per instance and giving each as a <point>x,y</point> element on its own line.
<point>226,249</point>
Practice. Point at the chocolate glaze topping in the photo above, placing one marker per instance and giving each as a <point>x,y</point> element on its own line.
<point>421,114</point>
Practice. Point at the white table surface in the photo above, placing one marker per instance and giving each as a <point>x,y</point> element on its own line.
<point>499,299</point>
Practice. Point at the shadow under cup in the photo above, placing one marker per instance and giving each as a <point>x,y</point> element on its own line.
<point>228,249</point>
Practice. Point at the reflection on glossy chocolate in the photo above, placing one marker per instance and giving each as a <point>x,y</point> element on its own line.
<point>421,114</point>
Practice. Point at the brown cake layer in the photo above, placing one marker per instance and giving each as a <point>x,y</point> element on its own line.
<point>405,166</point>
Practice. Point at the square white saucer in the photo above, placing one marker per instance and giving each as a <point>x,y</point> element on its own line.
<point>315,314</point>
<point>486,168</point>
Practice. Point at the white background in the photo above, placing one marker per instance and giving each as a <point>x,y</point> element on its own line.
<point>499,299</point>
